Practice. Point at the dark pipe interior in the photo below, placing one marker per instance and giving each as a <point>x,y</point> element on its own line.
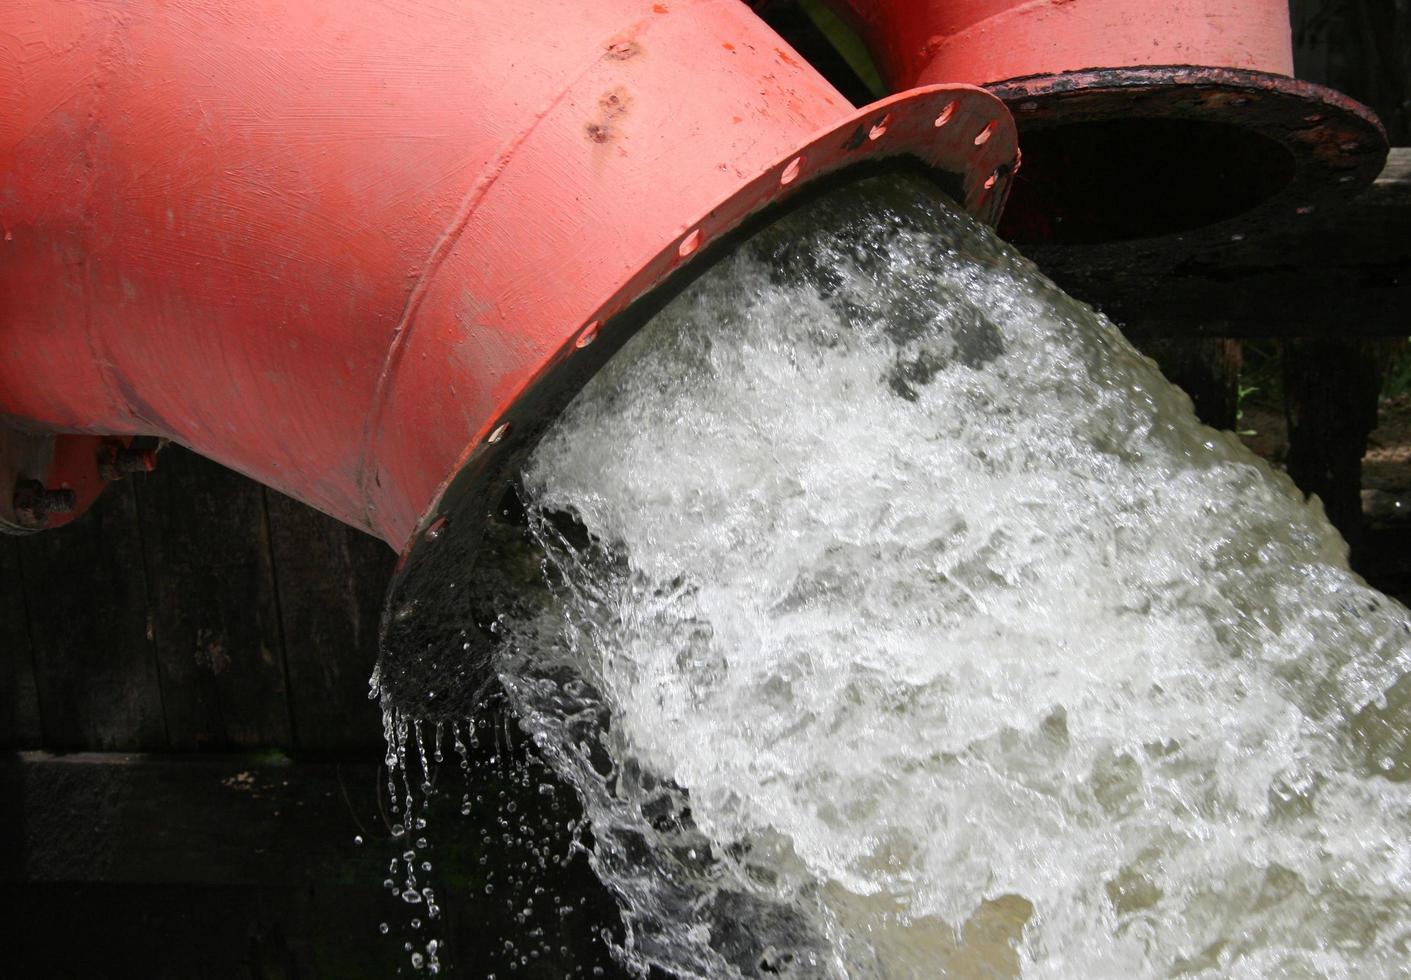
<point>1096,182</point>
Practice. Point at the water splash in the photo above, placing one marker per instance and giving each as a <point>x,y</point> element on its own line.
<point>486,873</point>
<point>902,621</point>
<point>409,806</point>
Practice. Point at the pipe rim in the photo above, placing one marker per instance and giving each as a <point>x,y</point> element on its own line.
<point>1334,146</point>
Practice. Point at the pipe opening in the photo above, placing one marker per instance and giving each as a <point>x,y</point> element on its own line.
<point>1096,182</point>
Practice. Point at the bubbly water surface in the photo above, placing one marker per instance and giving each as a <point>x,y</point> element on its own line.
<point>902,621</point>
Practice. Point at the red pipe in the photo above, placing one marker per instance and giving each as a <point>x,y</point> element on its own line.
<point>1176,122</point>
<point>349,248</point>
<point>988,41</point>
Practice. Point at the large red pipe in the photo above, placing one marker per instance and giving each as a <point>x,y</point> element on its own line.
<point>363,251</point>
<point>330,245</point>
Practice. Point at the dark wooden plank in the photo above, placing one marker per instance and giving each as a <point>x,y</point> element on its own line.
<point>211,818</point>
<point>19,701</point>
<point>209,866</point>
<point>167,932</point>
<point>86,594</point>
<point>214,612</point>
<point>331,581</point>
<point>240,865</point>
<point>1337,274</point>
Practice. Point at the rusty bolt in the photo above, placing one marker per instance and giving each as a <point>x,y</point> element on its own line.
<point>34,503</point>
<point>116,460</point>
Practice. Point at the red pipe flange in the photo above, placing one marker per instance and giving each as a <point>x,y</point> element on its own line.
<point>1173,124</point>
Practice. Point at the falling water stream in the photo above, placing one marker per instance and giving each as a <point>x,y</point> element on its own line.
<point>891,616</point>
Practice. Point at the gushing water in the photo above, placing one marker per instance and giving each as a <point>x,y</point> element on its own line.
<point>898,619</point>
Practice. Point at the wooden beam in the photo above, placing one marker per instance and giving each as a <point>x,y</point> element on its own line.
<point>248,865</point>
<point>198,819</point>
<point>215,622</point>
<point>90,623</point>
<point>1341,274</point>
<point>19,701</point>
<point>331,580</point>
<point>1330,399</point>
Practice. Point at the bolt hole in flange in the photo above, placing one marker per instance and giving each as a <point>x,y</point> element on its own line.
<point>588,334</point>
<point>1119,180</point>
<point>791,172</point>
<point>689,244</point>
<point>879,128</point>
<point>945,114</point>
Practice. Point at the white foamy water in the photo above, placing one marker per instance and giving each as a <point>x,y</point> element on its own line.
<point>919,629</point>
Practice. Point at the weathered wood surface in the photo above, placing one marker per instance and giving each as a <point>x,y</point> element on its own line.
<point>212,819</point>
<point>95,663</point>
<point>191,610</point>
<point>215,621</point>
<point>215,866</point>
<point>19,700</point>
<point>248,866</point>
<point>1331,389</point>
<point>1339,274</point>
<point>331,583</point>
